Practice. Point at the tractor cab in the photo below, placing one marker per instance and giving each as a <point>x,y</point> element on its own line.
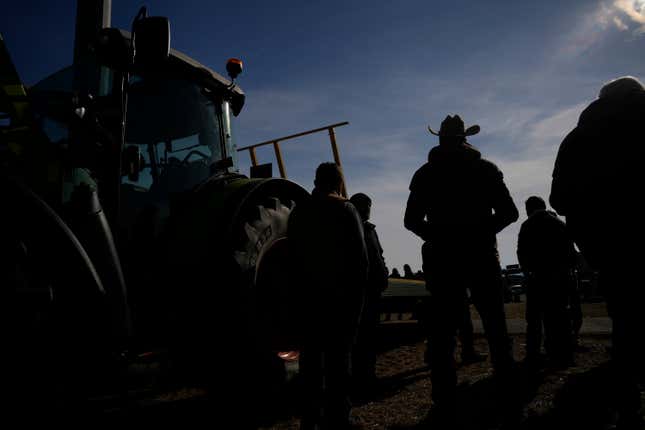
<point>178,135</point>
<point>177,130</point>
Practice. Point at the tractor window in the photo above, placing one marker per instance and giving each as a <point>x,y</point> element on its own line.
<point>178,130</point>
<point>57,132</point>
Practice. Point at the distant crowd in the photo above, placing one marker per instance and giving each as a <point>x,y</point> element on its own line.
<point>407,273</point>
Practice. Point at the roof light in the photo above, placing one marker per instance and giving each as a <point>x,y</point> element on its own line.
<point>234,67</point>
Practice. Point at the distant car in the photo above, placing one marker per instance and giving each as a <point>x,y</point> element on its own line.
<point>514,286</point>
<point>515,279</point>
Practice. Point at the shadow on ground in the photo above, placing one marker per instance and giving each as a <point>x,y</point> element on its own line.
<point>583,402</point>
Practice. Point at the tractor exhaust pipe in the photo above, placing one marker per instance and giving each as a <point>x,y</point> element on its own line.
<point>91,17</point>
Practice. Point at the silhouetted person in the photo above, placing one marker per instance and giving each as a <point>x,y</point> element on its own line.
<point>458,203</point>
<point>407,272</point>
<point>547,257</point>
<point>395,273</point>
<point>364,354</point>
<point>597,183</point>
<point>326,237</point>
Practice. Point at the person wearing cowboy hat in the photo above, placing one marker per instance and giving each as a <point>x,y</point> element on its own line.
<point>458,203</point>
<point>597,185</point>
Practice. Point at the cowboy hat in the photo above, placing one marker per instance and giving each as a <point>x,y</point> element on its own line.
<point>453,126</point>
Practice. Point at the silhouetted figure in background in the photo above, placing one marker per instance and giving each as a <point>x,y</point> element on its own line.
<point>458,203</point>
<point>407,272</point>
<point>326,236</point>
<point>548,258</point>
<point>395,273</point>
<point>598,183</point>
<point>364,354</point>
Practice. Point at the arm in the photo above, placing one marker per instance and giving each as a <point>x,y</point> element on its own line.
<point>356,243</point>
<point>522,250</point>
<point>377,264</point>
<point>561,179</point>
<point>415,211</point>
<point>505,211</point>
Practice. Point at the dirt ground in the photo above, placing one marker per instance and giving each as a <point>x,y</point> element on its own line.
<point>576,397</point>
<point>406,397</point>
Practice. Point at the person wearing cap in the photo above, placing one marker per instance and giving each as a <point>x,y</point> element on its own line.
<point>597,183</point>
<point>364,352</point>
<point>458,203</point>
<point>547,257</point>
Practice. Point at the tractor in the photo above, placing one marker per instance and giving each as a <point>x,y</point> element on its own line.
<point>128,237</point>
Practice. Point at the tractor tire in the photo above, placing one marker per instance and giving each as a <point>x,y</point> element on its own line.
<point>267,269</point>
<point>231,294</point>
<point>232,268</point>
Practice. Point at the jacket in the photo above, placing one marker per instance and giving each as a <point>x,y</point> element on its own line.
<point>598,177</point>
<point>544,245</point>
<point>458,201</point>
<point>326,237</point>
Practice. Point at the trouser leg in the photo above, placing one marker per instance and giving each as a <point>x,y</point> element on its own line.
<point>466,331</point>
<point>487,296</point>
<point>311,370</point>
<point>628,337</point>
<point>533,323</point>
<point>575,311</point>
<point>445,316</point>
<point>557,324</point>
<point>337,383</point>
<point>364,351</point>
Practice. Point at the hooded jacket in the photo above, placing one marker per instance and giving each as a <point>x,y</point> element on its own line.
<point>598,176</point>
<point>458,200</point>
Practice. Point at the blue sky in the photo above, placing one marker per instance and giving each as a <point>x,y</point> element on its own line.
<point>521,70</point>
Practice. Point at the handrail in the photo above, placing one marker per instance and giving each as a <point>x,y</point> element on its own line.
<point>278,153</point>
<point>292,136</point>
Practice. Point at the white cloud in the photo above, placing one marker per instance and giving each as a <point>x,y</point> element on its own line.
<point>603,14</point>
<point>620,24</point>
<point>617,10</point>
<point>633,8</point>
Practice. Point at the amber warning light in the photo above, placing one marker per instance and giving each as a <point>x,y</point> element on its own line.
<point>234,67</point>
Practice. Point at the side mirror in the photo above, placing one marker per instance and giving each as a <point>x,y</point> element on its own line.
<point>150,39</point>
<point>132,163</point>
